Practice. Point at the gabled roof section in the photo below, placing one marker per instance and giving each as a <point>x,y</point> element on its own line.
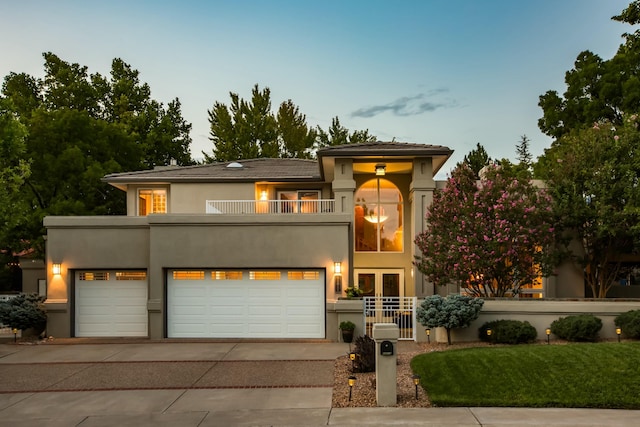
<point>391,149</point>
<point>382,151</point>
<point>250,170</point>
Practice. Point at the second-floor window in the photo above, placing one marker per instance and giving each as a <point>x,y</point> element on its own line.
<point>300,201</point>
<point>152,201</point>
<point>378,217</point>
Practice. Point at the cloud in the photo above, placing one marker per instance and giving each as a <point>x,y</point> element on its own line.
<point>407,105</point>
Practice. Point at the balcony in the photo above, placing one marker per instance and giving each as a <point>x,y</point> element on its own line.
<point>238,207</point>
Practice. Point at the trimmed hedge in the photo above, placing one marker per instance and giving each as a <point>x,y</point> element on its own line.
<point>508,332</point>
<point>629,322</point>
<point>583,327</point>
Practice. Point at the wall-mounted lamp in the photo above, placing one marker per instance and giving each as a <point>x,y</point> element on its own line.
<point>352,382</point>
<point>548,332</point>
<point>381,169</point>
<point>618,332</point>
<point>56,269</point>
<point>337,267</point>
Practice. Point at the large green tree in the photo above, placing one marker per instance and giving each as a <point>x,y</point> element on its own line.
<point>491,236</point>
<point>593,176</point>
<point>476,159</point>
<point>80,127</point>
<point>247,129</point>
<point>597,90</point>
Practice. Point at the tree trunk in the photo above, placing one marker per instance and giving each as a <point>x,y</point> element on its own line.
<point>448,336</point>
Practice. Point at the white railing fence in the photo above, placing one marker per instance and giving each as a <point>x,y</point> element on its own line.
<point>269,206</point>
<point>398,310</point>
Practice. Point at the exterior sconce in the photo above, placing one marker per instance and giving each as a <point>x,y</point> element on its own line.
<point>56,269</point>
<point>428,331</point>
<point>416,381</point>
<point>352,382</point>
<point>337,269</point>
<point>618,332</point>
<point>548,332</point>
<point>381,169</point>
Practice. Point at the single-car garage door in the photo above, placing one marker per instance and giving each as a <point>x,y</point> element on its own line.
<point>111,304</point>
<point>245,304</point>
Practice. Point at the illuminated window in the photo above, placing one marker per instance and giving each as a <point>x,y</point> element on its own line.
<point>226,275</point>
<point>303,275</point>
<point>378,217</point>
<point>264,275</point>
<point>152,201</point>
<point>188,275</point>
<point>131,275</point>
<point>298,201</point>
<point>89,276</point>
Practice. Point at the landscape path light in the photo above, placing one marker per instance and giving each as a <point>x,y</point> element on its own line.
<point>618,332</point>
<point>416,381</point>
<point>352,356</point>
<point>548,332</point>
<point>428,331</point>
<point>15,334</point>
<point>352,382</point>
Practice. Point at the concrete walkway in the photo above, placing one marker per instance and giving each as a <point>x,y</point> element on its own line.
<point>218,384</point>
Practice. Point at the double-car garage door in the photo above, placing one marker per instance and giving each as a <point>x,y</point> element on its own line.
<point>204,304</point>
<point>246,304</point>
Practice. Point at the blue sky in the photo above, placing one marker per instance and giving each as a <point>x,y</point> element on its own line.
<point>452,73</point>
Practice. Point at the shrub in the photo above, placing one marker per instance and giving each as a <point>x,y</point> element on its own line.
<point>629,322</point>
<point>508,332</point>
<point>450,312</point>
<point>23,312</point>
<point>365,348</point>
<point>583,327</point>
<point>347,325</point>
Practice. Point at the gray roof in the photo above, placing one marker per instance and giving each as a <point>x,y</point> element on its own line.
<point>385,149</point>
<point>252,170</point>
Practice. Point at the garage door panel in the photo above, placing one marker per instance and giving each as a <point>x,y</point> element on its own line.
<point>247,308</point>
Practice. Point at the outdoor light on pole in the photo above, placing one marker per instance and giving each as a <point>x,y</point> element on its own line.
<point>489,332</point>
<point>352,382</point>
<point>352,356</point>
<point>15,334</point>
<point>548,332</point>
<point>618,332</point>
<point>428,331</point>
<point>416,381</point>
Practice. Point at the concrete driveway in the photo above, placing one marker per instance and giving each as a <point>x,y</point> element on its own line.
<point>218,384</point>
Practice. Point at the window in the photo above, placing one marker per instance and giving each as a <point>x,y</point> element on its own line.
<point>303,275</point>
<point>188,275</point>
<point>378,217</point>
<point>298,201</point>
<point>131,275</point>
<point>89,276</point>
<point>226,275</point>
<point>152,201</point>
<point>264,275</point>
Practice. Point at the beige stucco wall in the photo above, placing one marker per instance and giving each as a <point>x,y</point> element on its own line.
<point>32,272</point>
<point>191,197</point>
<point>160,242</point>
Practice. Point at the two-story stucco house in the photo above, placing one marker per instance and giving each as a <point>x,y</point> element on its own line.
<point>257,248</point>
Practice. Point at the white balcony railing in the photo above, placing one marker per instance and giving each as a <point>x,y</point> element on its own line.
<point>236,207</point>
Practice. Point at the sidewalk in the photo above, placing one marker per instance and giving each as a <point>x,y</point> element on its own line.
<point>214,384</point>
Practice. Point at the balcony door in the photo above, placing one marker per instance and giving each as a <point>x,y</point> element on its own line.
<point>380,282</point>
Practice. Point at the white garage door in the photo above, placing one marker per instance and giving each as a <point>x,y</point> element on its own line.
<point>245,304</point>
<point>111,304</point>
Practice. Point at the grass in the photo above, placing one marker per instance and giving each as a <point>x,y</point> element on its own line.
<point>593,375</point>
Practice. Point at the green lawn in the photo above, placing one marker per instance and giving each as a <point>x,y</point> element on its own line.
<point>594,375</point>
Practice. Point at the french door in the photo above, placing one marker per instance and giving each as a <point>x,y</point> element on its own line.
<point>380,282</point>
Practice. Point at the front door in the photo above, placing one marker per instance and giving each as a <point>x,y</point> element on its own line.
<point>380,283</point>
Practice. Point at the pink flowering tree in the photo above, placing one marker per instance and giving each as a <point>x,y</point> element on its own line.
<point>491,236</point>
